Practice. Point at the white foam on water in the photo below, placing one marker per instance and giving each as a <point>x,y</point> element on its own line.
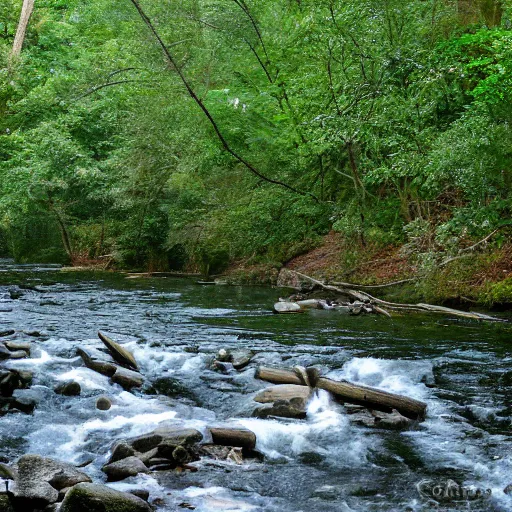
<point>37,361</point>
<point>141,481</point>
<point>88,379</point>
<point>397,376</point>
<point>326,431</point>
<point>216,499</point>
<point>66,441</point>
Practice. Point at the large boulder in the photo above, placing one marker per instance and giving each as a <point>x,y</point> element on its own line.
<point>100,498</point>
<point>39,480</point>
<point>119,353</point>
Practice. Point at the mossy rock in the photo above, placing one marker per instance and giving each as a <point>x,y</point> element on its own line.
<point>100,498</point>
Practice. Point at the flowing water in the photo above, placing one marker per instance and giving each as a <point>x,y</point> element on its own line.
<point>174,327</point>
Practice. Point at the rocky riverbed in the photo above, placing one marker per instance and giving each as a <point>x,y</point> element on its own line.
<point>186,425</point>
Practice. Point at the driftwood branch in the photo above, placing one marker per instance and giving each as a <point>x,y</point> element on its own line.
<point>365,297</point>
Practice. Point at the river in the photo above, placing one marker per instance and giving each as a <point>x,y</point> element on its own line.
<point>174,327</point>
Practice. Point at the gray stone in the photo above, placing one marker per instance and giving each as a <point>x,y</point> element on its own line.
<point>121,450</point>
<point>140,493</point>
<point>12,346</point>
<point>118,352</point>
<point>18,354</point>
<point>131,466</point>
<point>25,400</point>
<point>287,307</point>
<point>179,436</point>
<point>286,401</point>
<point>39,480</point>
<point>127,379</point>
<point>147,456</point>
<point>377,419</point>
<point>240,358</point>
<point>98,361</point>
<point>294,408</point>
<point>68,388</point>
<point>100,498</point>
<point>5,353</point>
<point>283,392</point>
<point>508,489</point>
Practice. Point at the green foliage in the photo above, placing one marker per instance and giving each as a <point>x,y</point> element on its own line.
<point>383,114</point>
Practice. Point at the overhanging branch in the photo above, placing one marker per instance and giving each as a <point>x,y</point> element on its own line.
<point>173,64</point>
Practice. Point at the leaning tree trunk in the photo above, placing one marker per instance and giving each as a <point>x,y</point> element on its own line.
<point>26,13</point>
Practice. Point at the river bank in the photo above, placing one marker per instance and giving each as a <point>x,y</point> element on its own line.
<point>480,277</point>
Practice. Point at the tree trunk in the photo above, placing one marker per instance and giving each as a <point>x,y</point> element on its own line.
<point>374,398</point>
<point>26,12</point>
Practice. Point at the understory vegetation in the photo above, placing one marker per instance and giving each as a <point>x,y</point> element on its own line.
<point>253,130</point>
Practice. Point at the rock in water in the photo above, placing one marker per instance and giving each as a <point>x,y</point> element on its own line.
<point>68,388</point>
<point>119,353</point>
<point>286,400</point>
<point>100,498</point>
<point>282,392</point>
<point>5,353</point>
<point>103,403</point>
<point>241,358</point>
<point>97,361</point>
<point>128,379</point>
<point>13,347</point>
<point>130,466</point>
<point>287,307</point>
<point>39,480</point>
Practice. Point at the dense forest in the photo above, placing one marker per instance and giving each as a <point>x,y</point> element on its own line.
<point>212,134</point>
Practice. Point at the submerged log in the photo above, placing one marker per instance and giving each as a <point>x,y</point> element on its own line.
<point>240,437</point>
<point>349,392</point>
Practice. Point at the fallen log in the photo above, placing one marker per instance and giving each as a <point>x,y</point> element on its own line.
<point>349,392</point>
<point>373,398</point>
<point>394,306</point>
<point>240,437</point>
<point>278,376</point>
